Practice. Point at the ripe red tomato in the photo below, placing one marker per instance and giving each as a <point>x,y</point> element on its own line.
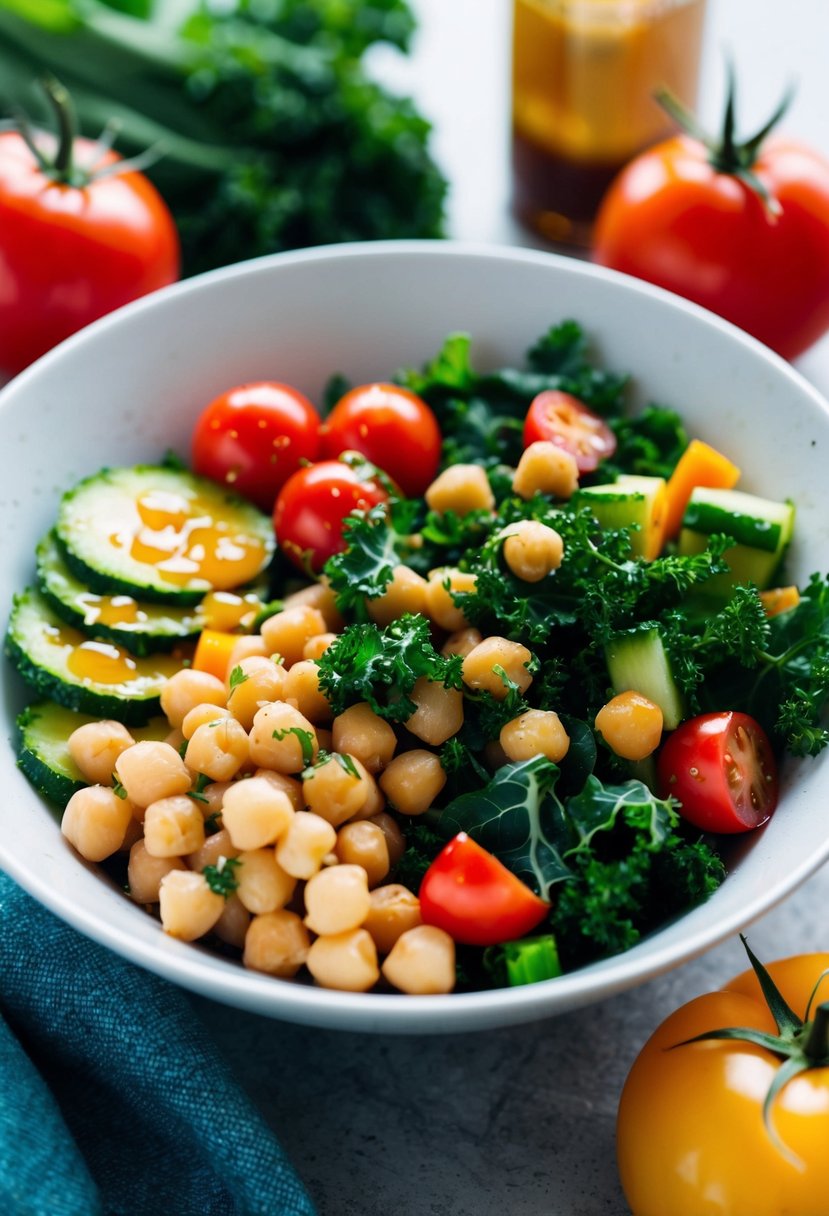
<point>475,898</point>
<point>392,428</point>
<point>674,218</point>
<point>71,253</point>
<point>565,421</point>
<point>311,506</point>
<point>253,437</point>
<point>721,768</point>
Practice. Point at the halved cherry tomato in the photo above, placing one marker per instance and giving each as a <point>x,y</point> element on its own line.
<point>721,768</point>
<point>311,506</point>
<point>253,437</point>
<point>475,899</point>
<point>392,428</point>
<point>562,419</point>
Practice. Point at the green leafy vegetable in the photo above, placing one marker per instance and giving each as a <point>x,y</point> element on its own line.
<point>237,677</point>
<point>221,878</point>
<point>528,961</point>
<point>306,741</point>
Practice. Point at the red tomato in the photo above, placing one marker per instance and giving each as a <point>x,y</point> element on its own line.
<point>475,899</point>
<point>722,769</point>
<point>673,218</point>
<point>70,253</point>
<point>311,506</point>
<point>392,428</point>
<point>565,421</point>
<point>253,438</point>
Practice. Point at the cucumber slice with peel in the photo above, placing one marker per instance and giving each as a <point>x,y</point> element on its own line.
<point>637,661</point>
<point>761,528</point>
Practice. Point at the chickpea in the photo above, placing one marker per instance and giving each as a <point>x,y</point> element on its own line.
<point>188,688</point>
<point>461,488</point>
<point>134,832</point>
<point>187,906</point>
<point>213,795</point>
<point>286,632</point>
<point>422,962</point>
<point>256,813</point>
<point>302,689</point>
<point>345,961</point>
<point>277,943</point>
<point>631,725</point>
<point>232,925</point>
<point>537,732</point>
<point>149,771</point>
<point>307,841</point>
<point>201,715</point>
<point>337,789</point>
<point>440,607</point>
<point>395,840</point>
<point>532,550</point>
<point>413,780</point>
<point>95,821</point>
<point>218,749</point>
<point>336,899</point>
<point>96,746</point>
<point>325,739</point>
<point>363,734</point>
<point>262,884</point>
<point>406,592</point>
<point>215,846</point>
<point>316,647</point>
<point>545,468</point>
<point>439,713</point>
<point>282,738</point>
<point>250,645</point>
<point>461,642</point>
<point>173,827</point>
<point>145,872</point>
<point>320,596</point>
<point>482,667</point>
<point>288,785</point>
<point>394,910</point>
<point>254,682</point>
<point>364,844</point>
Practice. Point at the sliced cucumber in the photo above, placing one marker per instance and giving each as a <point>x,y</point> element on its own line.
<point>637,661</point>
<point>86,674</point>
<point>761,527</point>
<point>143,627</point>
<point>633,502</point>
<point>160,534</point>
<point>43,747</point>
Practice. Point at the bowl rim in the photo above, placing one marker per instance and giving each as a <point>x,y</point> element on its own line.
<point>224,980</point>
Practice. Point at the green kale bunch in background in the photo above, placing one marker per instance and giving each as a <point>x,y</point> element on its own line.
<point>270,133</point>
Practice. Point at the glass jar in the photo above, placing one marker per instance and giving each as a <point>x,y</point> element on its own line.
<point>584,75</point>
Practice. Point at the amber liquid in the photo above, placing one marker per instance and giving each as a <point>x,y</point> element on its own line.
<point>584,74</point>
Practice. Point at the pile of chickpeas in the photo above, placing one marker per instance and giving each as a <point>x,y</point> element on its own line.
<point>257,775</point>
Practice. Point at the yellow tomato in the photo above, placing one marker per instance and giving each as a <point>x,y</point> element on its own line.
<point>691,1136</point>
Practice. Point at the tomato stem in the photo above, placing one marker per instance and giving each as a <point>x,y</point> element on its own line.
<point>62,168</point>
<point>816,1046</point>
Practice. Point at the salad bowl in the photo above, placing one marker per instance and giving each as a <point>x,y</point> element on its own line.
<point>129,389</point>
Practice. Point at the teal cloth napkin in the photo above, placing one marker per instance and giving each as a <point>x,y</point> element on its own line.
<point>113,1100</point>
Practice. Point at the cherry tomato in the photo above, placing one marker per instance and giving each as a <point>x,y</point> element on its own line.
<point>475,899</point>
<point>674,218</point>
<point>721,768</point>
<point>392,428</point>
<point>253,437</point>
<point>564,420</point>
<point>691,1134</point>
<point>73,246</point>
<point>311,506</point>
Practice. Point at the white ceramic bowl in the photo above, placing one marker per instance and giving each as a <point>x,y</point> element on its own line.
<point>130,387</point>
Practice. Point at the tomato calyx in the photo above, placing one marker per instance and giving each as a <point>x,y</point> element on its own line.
<point>800,1043</point>
<point>61,167</point>
<point>726,154</point>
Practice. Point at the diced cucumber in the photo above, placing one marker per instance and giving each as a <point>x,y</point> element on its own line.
<point>142,627</point>
<point>86,674</point>
<point>637,661</point>
<point>631,502</point>
<point>761,528</point>
<point>160,534</point>
<point>43,749</point>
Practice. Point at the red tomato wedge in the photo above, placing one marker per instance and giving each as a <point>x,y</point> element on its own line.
<point>565,421</point>
<point>722,769</point>
<point>475,899</point>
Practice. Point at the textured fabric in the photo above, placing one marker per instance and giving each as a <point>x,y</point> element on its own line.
<point>113,1101</point>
